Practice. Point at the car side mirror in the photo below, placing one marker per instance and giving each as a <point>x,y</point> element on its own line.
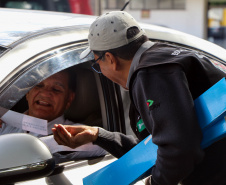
<point>23,157</point>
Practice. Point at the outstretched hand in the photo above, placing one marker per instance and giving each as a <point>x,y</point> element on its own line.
<point>74,136</point>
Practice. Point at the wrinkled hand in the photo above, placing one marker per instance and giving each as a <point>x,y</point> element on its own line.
<point>1,123</point>
<point>74,136</point>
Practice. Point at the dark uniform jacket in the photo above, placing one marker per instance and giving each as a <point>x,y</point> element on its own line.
<point>163,87</point>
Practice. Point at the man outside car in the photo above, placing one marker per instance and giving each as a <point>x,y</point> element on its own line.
<point>163,82</point>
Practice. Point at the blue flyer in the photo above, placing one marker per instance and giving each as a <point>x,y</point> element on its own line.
<point>135,163</point>
<point>211,112</point>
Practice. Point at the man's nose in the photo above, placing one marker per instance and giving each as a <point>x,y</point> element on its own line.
<point>46,92</point>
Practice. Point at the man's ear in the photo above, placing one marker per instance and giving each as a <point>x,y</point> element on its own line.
<point>112,59</point>
<point>27,96</point>
<point>70,99</point>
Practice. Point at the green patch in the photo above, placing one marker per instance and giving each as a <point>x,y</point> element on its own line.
<point>149,103</point>
<point>140,125</point>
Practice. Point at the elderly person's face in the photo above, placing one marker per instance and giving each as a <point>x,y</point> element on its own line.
<point>50,98</point>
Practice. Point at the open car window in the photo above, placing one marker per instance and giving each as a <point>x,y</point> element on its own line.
<point>86,107</point>
<point>35,70</point>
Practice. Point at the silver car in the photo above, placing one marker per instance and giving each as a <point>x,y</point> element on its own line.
<point>36,44</point>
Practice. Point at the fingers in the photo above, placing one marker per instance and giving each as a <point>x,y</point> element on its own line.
<point>74,136</point>
<point>62,136</point>
<point>57,137</point>
<point>62,130</point>
<point>74,130</point>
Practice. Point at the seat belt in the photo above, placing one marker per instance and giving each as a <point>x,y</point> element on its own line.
<point>133,166</point>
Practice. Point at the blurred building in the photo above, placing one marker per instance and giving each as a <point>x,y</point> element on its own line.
<point>217,22</point>
<point>184,15</point>
<point>74,6</point>
<point>202,18</point>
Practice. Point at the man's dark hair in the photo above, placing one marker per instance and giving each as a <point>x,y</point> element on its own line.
<point>128,51</point>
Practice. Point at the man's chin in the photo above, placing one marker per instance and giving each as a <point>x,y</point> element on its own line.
<point>44,116</point>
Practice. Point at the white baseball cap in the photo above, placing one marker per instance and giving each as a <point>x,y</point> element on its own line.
<point>109,31</point>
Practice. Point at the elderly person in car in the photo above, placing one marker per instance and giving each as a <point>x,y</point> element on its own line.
<point>48,100</point>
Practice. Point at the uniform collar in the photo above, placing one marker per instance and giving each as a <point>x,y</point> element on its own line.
<point>135,62</point>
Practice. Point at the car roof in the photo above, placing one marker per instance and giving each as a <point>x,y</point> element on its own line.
<point>184,39</point>
<point>20,24</point>
<point>26,33</point>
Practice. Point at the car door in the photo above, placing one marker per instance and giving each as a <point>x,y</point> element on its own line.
<point>98,102</point>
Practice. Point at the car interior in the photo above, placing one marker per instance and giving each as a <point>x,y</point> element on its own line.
<point>86,107</point>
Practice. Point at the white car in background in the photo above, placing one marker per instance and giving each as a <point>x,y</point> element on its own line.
<point>36,44</point>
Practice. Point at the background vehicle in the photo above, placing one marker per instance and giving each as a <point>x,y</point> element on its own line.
<point>37,44</point>
<point>73,6</point>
